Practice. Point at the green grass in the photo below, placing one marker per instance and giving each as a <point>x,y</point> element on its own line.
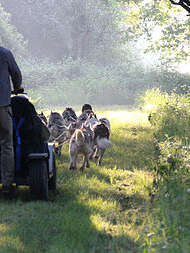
<point>104,209</point>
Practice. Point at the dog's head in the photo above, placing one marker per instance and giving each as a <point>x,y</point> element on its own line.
<point>83,117</point>
<point>69,114</point>
<point>91,115</point>
<point>101,131</point>
<point>55,118</point>
<point>105,122</point>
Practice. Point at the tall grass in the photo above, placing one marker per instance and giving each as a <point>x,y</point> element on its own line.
<point>168,222</point>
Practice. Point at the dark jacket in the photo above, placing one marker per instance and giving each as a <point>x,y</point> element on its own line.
<point>8,68</point>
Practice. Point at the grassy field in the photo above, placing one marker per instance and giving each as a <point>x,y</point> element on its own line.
<point>103,210</point>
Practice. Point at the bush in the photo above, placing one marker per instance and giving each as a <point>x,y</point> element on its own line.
<point>168,113</point>
<point>168,223</point>
<point>173,160</point>
<point>153,98</point>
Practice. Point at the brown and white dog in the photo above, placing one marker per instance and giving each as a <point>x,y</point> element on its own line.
<point>101,130</point>
<point>102,142</point>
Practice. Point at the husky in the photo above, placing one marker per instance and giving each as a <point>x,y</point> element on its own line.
<point>89,143</point>
<point>82,141</point>
<point>55,118</point>
<point>58,131</point>
<point>101,129</point>
<point>102,142</point>
<point>106,122</point>
<point>43,118</point>
<point>86,116</point>
<point>84,120</point>
<point>91,120</point>
<point>69,115</point>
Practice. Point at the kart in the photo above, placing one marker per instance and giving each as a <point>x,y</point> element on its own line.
<point>35,164</point>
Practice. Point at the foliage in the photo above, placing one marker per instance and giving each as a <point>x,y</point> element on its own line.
<point>76,29</point>
<point>9,36</point>
<point>174,159</point>
<point>73,82</point>
<point>167,224</point>
<point>168,220</point>
<point>169,115</point>
<point>164,27</point>
<point>151,99</point>
<point>111,70</point>
<point>96,30</point>
<point>172,118</point>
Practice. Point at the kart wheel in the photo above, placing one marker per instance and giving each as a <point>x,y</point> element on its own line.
<point>38,179</point>
<point>52,180</point>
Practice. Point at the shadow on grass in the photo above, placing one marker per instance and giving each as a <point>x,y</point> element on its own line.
<point>98,187</point>
<point>73,221</point>
<point>65,225</point>
<point>122,194</point>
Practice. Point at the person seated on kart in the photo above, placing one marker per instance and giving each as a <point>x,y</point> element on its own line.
<point>8,69</point>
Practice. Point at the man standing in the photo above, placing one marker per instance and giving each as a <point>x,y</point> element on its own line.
<point>8,69</point>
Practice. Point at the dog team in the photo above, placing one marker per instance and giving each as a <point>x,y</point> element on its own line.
<point>86,134</point>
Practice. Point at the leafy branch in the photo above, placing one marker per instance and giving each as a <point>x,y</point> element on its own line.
<point>183,3</point>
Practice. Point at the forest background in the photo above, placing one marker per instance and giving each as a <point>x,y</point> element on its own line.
<point>103,52</point>
<point>107,52</point>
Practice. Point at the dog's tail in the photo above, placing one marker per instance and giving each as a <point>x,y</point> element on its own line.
<point>79,136</point>
<point>104,143</point>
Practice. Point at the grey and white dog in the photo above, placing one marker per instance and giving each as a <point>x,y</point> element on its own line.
<point>81,142</point>
<point>58,131</point>
<point>69,115</point>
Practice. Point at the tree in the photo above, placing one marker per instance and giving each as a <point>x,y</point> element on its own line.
<point>164,30</point>
<point>61,29</point>
<point>183,3</point>
<point>9,36</point>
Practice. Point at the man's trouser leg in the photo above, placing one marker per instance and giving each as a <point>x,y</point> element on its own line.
<point>6,143</point>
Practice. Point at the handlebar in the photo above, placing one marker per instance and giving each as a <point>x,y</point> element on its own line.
<point>18,91</point>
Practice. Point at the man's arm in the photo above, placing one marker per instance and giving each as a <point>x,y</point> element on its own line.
<point>14,71</point>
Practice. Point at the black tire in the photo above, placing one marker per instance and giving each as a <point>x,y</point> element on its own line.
<point>52,180</point>
<point>38,179</point>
